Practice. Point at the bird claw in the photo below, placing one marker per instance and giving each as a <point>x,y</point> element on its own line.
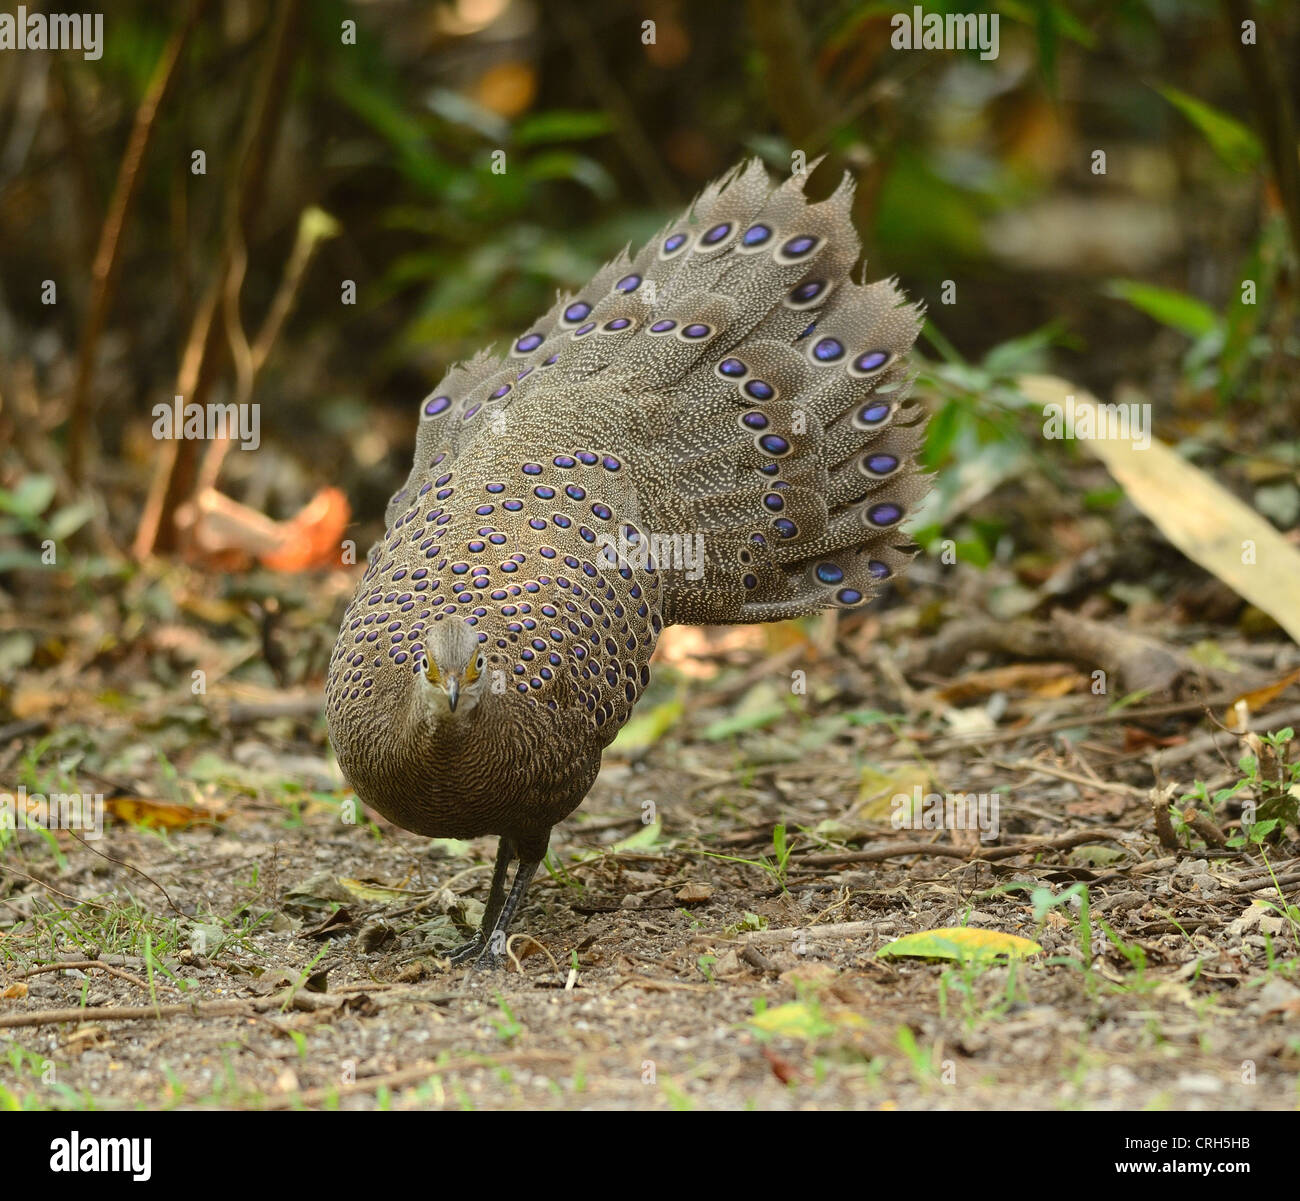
<point>467,951</point>
<point>479,956</point>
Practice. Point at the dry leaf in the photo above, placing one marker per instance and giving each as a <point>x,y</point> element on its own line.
<point>1196,513</point>
<point>1258,698</point>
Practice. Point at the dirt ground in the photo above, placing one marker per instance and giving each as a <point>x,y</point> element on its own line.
<point>256,942</point>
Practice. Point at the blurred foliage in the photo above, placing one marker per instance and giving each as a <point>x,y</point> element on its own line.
<point>478,155</point>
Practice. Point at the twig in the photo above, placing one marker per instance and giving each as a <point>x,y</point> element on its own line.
<point>132,868</point>
<point>637,147</point>
<point>1072,777</point>
<point>948,851</point>
<point>86,964</point>
<point>1204,827</point>
<point>133,1013</point>
<point>108,258</point>
<point>174,480</point>
<point>1083,719</point>
<point>1269,88</point>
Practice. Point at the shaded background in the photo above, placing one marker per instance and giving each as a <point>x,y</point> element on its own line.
<point>980,173</point>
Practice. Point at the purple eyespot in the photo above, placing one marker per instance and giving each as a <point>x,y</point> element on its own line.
<point>806,293</point>
<point>750,581</point>
<point>563,461</point>
<point>829,573</point>
<point>583,330</point>
<point>610,463</point>
<point>759,389</point>
<point>615,325</point>
<point>587,459</point>
<point>551,361</point>
<point>848,596</point>
<point>532,469</point>
<point>439,404</point>
<point>755,421</point>
<point>880,464</point>
<point>575,491</point>
<point>715,235</point>
<point>874,413</point>
<point>732,368</point>
<point>674,243</point>
<point>878,569</point>
<point>774,444</point>
<point>774,501</point>
<point>601,511</point>
<point>885,513</point>
<point>471,411</point>
<point>756,235</point>
<point>496,487</point>
<point>629,283</point>
<point>544,492</point>
<point>513,506</point>
<point>828,350</point>
<point>873,360</point>
<point>500,392</point>
<point>576,312</point>
<point>785,527</point>
<point>796,248</point>
<point>696,330</point>
<point>528,342</point>
<point>662,327</point>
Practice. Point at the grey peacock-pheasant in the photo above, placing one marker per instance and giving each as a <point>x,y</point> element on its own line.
<point>731,385</point>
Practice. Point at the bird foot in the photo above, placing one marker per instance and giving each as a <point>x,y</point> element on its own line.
<point>467,951</point>
<point>479,956</point>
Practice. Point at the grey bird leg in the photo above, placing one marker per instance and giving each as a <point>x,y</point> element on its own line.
<point>496,899</point>
<point>496,941</point>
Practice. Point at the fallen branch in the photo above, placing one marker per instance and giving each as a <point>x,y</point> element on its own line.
<point>948,851</point>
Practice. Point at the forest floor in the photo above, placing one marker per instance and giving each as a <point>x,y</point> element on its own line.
<point>708,932</point>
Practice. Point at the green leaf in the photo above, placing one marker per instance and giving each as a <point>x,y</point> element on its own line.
<point>69,520</point>
<point>30,498</point>
<point>565,164</point>
<point>959,942</point>
<point>562,125</point>
<point>644,839</point>
<point>1174,309</point>
<point>646,729</point>
<point>761,706</point>
<point>1237,147</point>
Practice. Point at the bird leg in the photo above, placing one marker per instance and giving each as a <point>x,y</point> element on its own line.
<point>495,943</point>
<point>496,900</point>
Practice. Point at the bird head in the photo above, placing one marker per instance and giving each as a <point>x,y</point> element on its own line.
<point>454,667</point>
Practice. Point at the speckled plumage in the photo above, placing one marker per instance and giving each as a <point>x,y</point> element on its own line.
<point>730,389</point>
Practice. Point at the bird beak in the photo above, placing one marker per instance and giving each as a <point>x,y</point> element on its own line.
<point>453,692</point>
